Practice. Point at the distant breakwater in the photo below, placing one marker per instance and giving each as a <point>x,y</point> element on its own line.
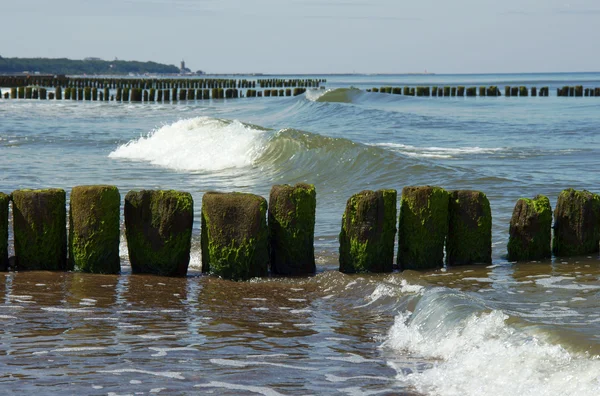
<point>148,89</point>
<point>152,90</point>
<point>244,236</point>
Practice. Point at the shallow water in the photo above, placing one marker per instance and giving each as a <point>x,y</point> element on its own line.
<point>504,329</point>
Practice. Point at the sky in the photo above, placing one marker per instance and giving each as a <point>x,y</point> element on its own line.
<point>312,36</point>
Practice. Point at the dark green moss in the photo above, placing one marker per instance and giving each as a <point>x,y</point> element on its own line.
<point>40,229</point>
<point>292,229</point>
<point>158,228</point>
<point>4,199</point>
<point>469,238</point>
<point>368,232</point>
<point>234,235</point>
<point>94,229</point>
<point>530,231</point>
<point>423,227</point>
<point>576,223</point>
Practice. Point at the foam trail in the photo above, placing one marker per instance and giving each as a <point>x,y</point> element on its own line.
<point>477,352</point>
<point>196,144</point>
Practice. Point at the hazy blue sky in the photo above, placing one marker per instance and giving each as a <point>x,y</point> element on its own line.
<point>312,36</point>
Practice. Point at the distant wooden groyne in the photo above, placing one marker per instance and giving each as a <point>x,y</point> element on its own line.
<point>148,89</point>
<point>488,91</point>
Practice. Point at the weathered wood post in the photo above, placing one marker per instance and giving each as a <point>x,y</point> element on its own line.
<point>40,229</point>
<point>94,229</point>
<point>576,223</point>
<point>423,227</point>
<point>292,229</point>
<point>4,200</point>
<point>530,231</point>
<point>234,237</point>
<point>368,232</point>
<point>469,238</point>
<point>158,227</point>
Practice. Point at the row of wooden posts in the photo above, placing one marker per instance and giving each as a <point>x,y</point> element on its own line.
<point>449,91</point>
<point>139,94</point>
<point>156,83</point>
<point>237,241</point>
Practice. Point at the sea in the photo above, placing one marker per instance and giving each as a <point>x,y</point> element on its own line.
<point>527,328</point>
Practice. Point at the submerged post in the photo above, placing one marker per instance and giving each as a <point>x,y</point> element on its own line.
<point>158,227</point>
<point>234,236</point>
<point>469,238</point>
<point>423,227</point>
<point>368,232</point>
<point>94,229</point>
<point>530,231</point>
<point>40,227</point>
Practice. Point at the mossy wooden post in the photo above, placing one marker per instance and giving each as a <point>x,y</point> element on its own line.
<point>43,93</point>
<point>28,92</point>
<point>40,229</point>
<point>507,91</point>
<point>446,91</point>
<point>423,227</point>
<point>576,223</point>
<point>13,93</point>
<point>4,199</point>
<point>523,91</point>
<point>533,91</point>
<point>94,229</point>
<point>58,92</point>
<point>292,229</point>
<point>106,94</point>
<point>579,90</point>
<point>482,91</point>
<point>158,228</point>
<point>530,231</point>
<point>159,95</point>
<point>368,232</point>
<point>234,236</point>
<point>469,239</point>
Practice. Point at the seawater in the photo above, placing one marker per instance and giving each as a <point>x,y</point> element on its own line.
<point>503,329</point>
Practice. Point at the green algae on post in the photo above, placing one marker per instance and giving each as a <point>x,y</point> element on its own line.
<point>292,229</point>
<point>94,229</point>
<point>158,228</point>
<point>40,229</point>
<point>469,238</point>
<point>423,226</point>
<point>530,231</point>
<point>368,232</point>
<point>576,223</point>
<point>234,235</point>
<point>4,199</point>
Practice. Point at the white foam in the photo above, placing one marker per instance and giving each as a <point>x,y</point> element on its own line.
<point>482,355</point>
<point>558,282</point>
<point>165,374</point>
<point>261,390</point>
<point>7,317</point>
<point>351,358</point>
<point>240,363</point>
<point>314,94</point>
<point>196,144</point>
<point>335,378</point>
<point>79,349</point>
<point>437,152</point>
<point>165,351</point>
<point>69,310</point>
